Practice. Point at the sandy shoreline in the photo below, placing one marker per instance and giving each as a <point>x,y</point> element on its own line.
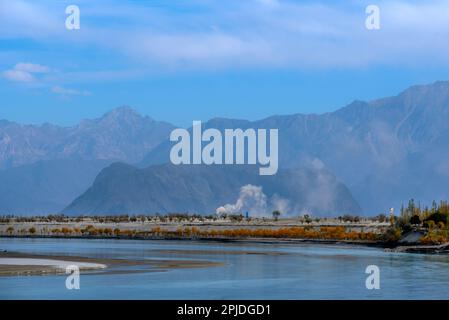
<point>20,266</point>
<point>16,264</point>
<point>58,264</point>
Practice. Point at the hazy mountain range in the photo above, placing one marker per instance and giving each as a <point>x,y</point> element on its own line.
<point>384,151</point>
<point>121,135</point>
<point>169,188</point>
<point>45,167</point>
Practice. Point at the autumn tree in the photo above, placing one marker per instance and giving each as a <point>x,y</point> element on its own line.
<point>10,230</point>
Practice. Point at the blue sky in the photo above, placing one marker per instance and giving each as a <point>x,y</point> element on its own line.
<point>186,60</point>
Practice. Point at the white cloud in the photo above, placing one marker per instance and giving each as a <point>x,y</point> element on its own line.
<point>31,68</point>
<point>27,19</point>
<point>201,50</point>
<point>241,34</point>
<point>24,72</point>
<point>32,73</point>
<point>294,35</point>
<point>18,76</point>
<point>65,92</point>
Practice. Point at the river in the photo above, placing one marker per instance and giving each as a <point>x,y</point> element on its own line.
<point>246,271</point>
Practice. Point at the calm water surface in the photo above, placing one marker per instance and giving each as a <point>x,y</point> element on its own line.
<point>268,272</point>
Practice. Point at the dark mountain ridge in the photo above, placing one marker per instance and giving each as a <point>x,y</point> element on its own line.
<point>121,188</point>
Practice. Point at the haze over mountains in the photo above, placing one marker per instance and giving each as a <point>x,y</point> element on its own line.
<point>46,167</point>
<point>202,189</point>
<point>46,186</point>
<point>385,151</point>
<point>121,135</point>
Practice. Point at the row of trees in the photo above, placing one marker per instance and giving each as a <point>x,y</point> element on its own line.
<point>180,217</point>
<point>328,233</point>
<point>174,217</point>
<point>429,217</point>
<point>434,221</point>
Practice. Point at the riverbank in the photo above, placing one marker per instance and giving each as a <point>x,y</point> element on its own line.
<point>399,247</point>
<point>424,249</point>
<point>366,233</point>
<point>255,240</point>
<point>18,263</point>
<point>221,230</point>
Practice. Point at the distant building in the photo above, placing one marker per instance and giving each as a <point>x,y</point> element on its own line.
<point>392,216</point>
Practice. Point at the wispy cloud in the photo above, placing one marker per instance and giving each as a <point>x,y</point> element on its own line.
<point>18,76</point>
<point>28,19</point>
<point>31,67</point>
<point>242,34</point>
<point>25,72</point>
<point>66,92</point>
<point>38,75</point>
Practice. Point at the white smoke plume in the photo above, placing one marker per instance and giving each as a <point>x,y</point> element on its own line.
<point>280,204</point>
<point>255,202</point>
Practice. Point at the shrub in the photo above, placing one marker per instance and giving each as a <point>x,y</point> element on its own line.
<point>438,217</point>
<point>393,234</point>
<point>430,224</point>
<point>66,231</point>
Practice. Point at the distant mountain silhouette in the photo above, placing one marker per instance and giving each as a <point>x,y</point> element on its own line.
<point>121,188</point>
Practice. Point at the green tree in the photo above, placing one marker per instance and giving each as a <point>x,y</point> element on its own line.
<point>276,214</point>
